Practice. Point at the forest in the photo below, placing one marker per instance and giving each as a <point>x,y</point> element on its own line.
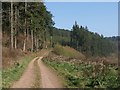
<point>25,25</point>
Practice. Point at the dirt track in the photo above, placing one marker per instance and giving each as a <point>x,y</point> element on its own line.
<point>49,78</point>
<point>27,78</point>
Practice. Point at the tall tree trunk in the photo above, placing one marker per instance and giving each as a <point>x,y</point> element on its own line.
<point>9,25</point>
<point>32,40</point>
<point>24,43</point>
<point>37,44</point>
<point>12,25</point>
<point>45,35</point>
<point>32,43</point>
<point>35,39</point>
<point>38,41</point>
<point>51,40</point>
<point>18,21</point>
<point>25,31</point>
<point>15,27</point>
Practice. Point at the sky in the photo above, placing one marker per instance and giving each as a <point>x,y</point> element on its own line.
<point>100,17</point>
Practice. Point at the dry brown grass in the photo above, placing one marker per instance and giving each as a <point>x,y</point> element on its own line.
<point>109,60</point>
<point>9,57</point>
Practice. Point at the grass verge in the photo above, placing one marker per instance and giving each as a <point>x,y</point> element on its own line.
<point>14,73</point>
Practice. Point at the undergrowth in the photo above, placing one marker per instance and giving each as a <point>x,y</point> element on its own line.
<point>86,75</point>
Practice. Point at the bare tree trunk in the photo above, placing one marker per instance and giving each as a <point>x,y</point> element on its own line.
<point>24,43</point>
<point>25,32</point>
<point>38,41</point>
<point>18,24</point>
<point>12,25</point>
<point>35,40</point>
<point>32,43</point>
<point>32,40</point>
<point>37,44</point>
<point>9,26</point>
<point>27,37</point>
<point>51,41</point>
<point>15,27</point>
<point>45,36</point>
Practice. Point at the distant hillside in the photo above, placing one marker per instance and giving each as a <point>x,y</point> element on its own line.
<point>85,41</point>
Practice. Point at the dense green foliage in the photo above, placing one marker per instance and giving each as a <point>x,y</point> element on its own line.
<point>115,40</point>
<point>90,43</point>
<point>61,36</point>
<point>86,75</point>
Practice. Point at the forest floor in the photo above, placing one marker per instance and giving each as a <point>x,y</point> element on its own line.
<point>46,77</point>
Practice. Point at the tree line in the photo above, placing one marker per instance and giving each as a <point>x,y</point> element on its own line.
<point>26,24</point>
<point>91,43</point>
